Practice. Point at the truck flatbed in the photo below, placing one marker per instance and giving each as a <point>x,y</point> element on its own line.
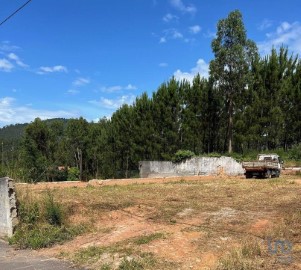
<point>266,166</point>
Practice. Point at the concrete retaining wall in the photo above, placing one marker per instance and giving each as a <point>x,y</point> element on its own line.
<point>8,208</point>
<point>194,166</point>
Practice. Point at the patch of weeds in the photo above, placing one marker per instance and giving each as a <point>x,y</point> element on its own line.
<point>106,230</point>
<point>42,236</point>
<point>289,228</point>
<point>251,249</point>
<point>245,258</point>
<point>92,254</point>
<point>106,267</point>
<point>181,181</point>
<point>234,261</point>
<point>29,213</point>
<point>132,264</point>
<point>42,223</point>
<point>276,181</point>
<point>145,239</point>
<point>53,211</point>
<point>111,206</point>
<point>139,261</point>
<point>89,255</point>
<point>119,256</point>
<point>167,214</point>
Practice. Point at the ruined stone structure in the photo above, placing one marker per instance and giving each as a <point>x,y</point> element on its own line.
<point>193,166</point>
<point>8,207</point>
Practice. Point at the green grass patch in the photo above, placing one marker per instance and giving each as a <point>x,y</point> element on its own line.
<point>119,256</point>
<point>145,239</point>
<point>43,236</point>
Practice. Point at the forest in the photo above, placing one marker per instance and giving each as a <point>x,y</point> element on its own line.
<point>248,104</point>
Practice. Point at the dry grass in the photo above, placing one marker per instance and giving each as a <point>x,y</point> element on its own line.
<point>216,223</point>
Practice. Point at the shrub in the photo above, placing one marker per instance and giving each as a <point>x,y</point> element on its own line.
<point>295,152</point>
<point>53,211</point>
<point>182,155</point>
<point>29,213</point>
<point>73,174</point>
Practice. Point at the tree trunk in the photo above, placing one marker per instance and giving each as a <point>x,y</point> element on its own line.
<point>230,126</point>
<point>79,161</point>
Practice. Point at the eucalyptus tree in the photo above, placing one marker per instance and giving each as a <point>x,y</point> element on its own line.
<point>230,69</point>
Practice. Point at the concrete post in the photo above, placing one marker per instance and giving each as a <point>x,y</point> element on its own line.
<point>8,207</point>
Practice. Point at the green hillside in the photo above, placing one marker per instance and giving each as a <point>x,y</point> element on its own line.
<point>15,132</point>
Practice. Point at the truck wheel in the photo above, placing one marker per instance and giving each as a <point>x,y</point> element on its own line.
<point>249,175</point>
<point>268,174</point>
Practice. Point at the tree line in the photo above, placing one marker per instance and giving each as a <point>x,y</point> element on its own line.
<point>248,103</point>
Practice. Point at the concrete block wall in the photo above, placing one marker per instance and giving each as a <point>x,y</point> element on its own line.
<point>8,207</point>
<point>194,166</point>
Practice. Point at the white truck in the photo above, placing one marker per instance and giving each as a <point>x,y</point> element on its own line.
<point>266,166</point>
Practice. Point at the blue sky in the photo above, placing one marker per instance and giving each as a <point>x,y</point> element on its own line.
<point>72,58</point>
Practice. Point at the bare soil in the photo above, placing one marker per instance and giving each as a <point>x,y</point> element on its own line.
<point>202,219</point>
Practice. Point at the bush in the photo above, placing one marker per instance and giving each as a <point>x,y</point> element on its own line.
<point>295,152</point>
<point>73,174</point>
<point>182,155</point>
<point>29,213</point>
<point>53,211</point>
<point>2,173</point>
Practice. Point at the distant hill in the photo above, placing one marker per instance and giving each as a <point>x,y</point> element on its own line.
<point>15,132</point>
<point>12,132</point>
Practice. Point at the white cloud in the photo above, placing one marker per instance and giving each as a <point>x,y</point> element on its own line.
<point>111,89</point>
<point>59,68</point>
<point>114,104</point>
<point>6,65</point>
<point>265,24</point>
<point>81,81</point>
<point>73,92</point>
<point>131,87</point>
<point>5,46</point>
<point>195,29</point>
<point>210,34</point>
<point>201,68</point>
<point>163,64</point>
<point>170,17</point>
<point>14,57</point>
<point>171,33</point>
<point>286,34</point>
<point>163,40</point>
<point>118,88</point>
<point>10,113</point>
<point>176,34</point>
<point>179,5</point>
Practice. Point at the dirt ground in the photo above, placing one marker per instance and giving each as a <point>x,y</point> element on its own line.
<point>182,222</point>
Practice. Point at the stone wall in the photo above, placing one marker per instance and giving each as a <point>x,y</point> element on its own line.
<point>8,208</point>
<point>194,166</point>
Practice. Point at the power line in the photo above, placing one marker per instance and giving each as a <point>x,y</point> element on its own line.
<point>15,12</point>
